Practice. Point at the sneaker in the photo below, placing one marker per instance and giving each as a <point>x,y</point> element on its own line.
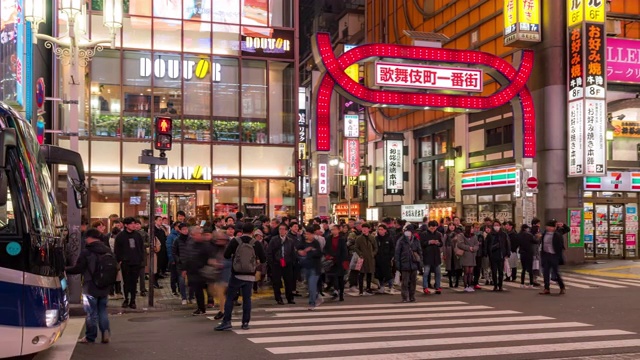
<point>175,293</point>
<point>467,289</point>
<point>426,291</point>
<point>184,302</point>
<point>245,326</point>
<point>210,306</point>
<point>545,292</point>
<point>106,337</point>
<point>438,291</point>
<point>311,308</point>
<point>471,289</point>
<point>190,301</point>
<point>224,327</point>
<point>366,294</point>
<point>132,305</point>
<point>478,287</point>
<point>523,286</point>
<point>198,312</point>
<point>125,303</point>
<point>219,315</point>
<point>319,301</point>
<point>381,290</point>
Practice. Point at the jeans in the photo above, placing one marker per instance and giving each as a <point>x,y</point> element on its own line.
<point>236,285</point>
<point>550,263</point>
<point>97,317</point>
<point>409,284</point>
<point>175,281</point>
<point>497,272</point>
<point>312,281</point>
<point>438,273</point>
<point>130,275</point>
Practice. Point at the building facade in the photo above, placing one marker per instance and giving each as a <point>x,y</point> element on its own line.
<point>227,76</point>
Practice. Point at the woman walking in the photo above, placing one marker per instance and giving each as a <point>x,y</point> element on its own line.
<point>470,245</point>
<point>366,248</point>
<point>452,262</point>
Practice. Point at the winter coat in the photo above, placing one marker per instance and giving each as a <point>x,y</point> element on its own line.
<point>275,251</point>
<point>129,248</point>
<point>513,241</point>
<point>340,255</point>
<point>405,248</point>
<point>86,265</point>
<point>497,245</point>
<point>431,253</point>
<point>558,246</point>
<point>173,236</point>
<point>196,257</point>
<point>451,261</point>
<point>367,248</point>
<point>527,244</point>
<point>313,259</point>
<point>469,244</point>
<point>481,236</point>
<point>386,251</point>
<point>179,249</point>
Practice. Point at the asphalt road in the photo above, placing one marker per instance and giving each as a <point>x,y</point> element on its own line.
<point>595,320</point>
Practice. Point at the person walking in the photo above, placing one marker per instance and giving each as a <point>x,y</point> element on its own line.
<point>337,253</point>
<point>470,245</point>
<point>452,261</point>
<point>509,227</point>
<point>196,257</point>
<point>408,258</point>
<point>129,252</point>
<point>366,248</point>
<point>310,259</point>
<point>281,258</point>
<point>384,256</point>
<point>478,269</point>
<point>92,263</point>
<point>431,242</point>
<point>498,248</point>
<point>551,254</point>
<point>527,244</point>
<point>244,252</point>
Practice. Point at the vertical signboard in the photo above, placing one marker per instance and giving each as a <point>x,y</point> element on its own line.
<point>393,167</point>
<point>352,157</point>
<point>521,22</point>
<point>587,113</point>
<point>323,179</point>
<point>351,126</point>
<point>576,229</point>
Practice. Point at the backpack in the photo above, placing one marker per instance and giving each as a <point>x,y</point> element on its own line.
<point>244,259</point>
<point>106,270</point>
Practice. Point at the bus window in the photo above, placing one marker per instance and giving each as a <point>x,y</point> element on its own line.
<point>7,217</point>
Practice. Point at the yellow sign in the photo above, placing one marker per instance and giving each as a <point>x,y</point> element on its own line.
<point>595,11</point>
<point>575,12</point>
<point>302,151</point>
<point>509,14</point>
<point>353,72</point>
<point>529,12</point>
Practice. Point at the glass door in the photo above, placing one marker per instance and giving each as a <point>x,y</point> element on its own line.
<point>169,203</point>
<point>609,223</point>
<point>616,230</point>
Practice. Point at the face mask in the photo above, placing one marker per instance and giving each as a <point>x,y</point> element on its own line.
<point>407,234</point>
<point>496,228</point>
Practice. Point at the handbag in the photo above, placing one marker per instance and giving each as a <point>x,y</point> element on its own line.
<point>359,264</point>
<point>507,267</point>
<point>536,264</point>
<point>459,252</point>
<point>416,257</point>
<point>327,265</point>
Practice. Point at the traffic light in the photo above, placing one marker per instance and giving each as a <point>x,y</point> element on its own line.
<point>163,137</point>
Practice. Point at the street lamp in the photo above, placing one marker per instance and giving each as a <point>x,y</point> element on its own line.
<point>74,49</point>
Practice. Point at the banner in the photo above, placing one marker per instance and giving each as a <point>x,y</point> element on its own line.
<point>393,167</point>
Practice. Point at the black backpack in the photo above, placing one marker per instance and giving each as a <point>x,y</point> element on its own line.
<point>106,270</point>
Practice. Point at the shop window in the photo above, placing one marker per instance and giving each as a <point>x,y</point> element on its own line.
<point>135,195</point>
<point>266,161</point>
<point>226,39</point>
<point>282,198</point>
<point>226,91</point>
<point>167,83</point>
<point>254,131</point>
<point>502,135</point>
<point>253,191</point>
<point>226,130</point>
<point>442,180</point>
<point>137,33</point>
<point>177,129</point>
<point>83,149</point>
<point>226,11</point>
<point>197,84</point>
<point>105,157</point>
<point>137,95</point>
<point>426,146</point>
<point>226,196</point>
<point>282,107</point>
<point>105,103</point>
<point>104,196</point>
<point>281,12</point>
<point>61,193</point>
<point>426,180</point>
<point>197,130</point>
<point>440,143</point>
<point>136,7</point>
<point>131,151</point>
<point>99,31</point>
<point>198,155</point>
<point>254,89</point>
<point>167,34</point>
<point>226,160</point>
<point>168,8</point>
<point>196,37</point>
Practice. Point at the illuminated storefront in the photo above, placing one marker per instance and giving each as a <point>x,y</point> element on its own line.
<point>226,75</point>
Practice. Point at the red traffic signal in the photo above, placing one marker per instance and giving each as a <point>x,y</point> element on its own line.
<point>163,135</point>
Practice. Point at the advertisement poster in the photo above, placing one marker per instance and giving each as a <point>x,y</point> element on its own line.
<point>630,240</point>
<point>225,209</point>
<point>282,210</point>
<point>575,227</point>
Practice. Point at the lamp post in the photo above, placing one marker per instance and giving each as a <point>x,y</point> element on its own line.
<point>344,166</point>
<point>74,50</point>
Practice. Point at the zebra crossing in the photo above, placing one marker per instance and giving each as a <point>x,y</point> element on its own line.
<point>424,330</point>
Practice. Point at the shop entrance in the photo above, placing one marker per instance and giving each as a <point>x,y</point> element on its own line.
<point>193,199</point>
<point>610,230</point>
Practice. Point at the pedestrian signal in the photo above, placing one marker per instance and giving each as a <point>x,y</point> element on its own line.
<point>163,135</point>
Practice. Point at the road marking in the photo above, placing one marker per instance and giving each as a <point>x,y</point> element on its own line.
<point>383,317</point>
<point>64,347</point>
<point>585,281</point>
<point>397,310</point>
<point>443,341</point>
<point>385,334</point>
<point>369,306</point>
<point>630,281</point>
<point>601,280</point>
<point>607,274</point>
<point>338,327</point>
<point>493,351</point>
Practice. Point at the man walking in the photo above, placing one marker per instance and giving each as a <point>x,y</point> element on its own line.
<point>129,251</point>
<point>243,251</point>
<point>551,256</point>
<point>280,258</point>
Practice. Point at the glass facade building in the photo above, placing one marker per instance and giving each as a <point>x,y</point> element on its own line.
<point>225,72</point>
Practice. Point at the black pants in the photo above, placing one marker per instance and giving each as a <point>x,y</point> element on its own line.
<point>477,270</point>
<point>361,281</point>
<point>198,288</point>
<point>550,263</point>
<point>286,275</point>
<point>338,284</point>
<point>353,278</point>
<point>527,266</point>
<point>497,272</point>
<point>130,274</point>
<point>174,277</point>
<point>454,273</point>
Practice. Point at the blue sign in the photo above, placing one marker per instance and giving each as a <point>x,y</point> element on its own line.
<point>588,238</point>
<point>631,210</point>
<point>14,248</point>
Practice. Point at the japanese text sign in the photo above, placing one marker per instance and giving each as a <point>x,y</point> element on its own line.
<point>351,126</point>
<point>413,213</point>
<point>623,60</point>
<point>428,77</point>
<point>393,166</point>
<point>351,156</point>
<point>521,22</point>
<point>323,179</point>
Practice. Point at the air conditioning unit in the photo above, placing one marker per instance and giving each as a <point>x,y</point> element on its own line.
<point>613,27</point>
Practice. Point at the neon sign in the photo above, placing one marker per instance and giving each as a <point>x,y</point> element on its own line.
<point>428,77</point>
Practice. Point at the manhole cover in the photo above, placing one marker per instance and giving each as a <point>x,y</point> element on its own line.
<point>145,319</point>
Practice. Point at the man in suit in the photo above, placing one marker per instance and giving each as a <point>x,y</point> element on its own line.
<point>551,256</point>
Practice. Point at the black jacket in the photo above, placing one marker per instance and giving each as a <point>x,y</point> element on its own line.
<point>513,240</point>
<point>313,259</point>
<point>129,248</point>
<point>527,243</point>
<point>275,251</point>
<point>162,237</point>
<point>431,252</point>
<point>497,245</point>
<point>386,248</point>
<point>230,251</point>
<point>86,265</point>
<point>179,250</point>
<point>339,256</point>
<point>195,258</point>
<point>558,245</point>
<point>404,253</point>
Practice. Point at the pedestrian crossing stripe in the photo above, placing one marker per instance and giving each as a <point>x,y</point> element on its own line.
<point>397,310</point>
<point>369,306</point>
<point>423,323</point>
<point>600,281</point>
<point>387,334</point>
<point>444,341</point>
<point>591,282</point>
<point>494,351</point>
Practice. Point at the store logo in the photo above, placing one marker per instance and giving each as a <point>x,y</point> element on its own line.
<point>183,173</point>
<point>616,182</point>
<point>171,68</point>
<point>268,45</point>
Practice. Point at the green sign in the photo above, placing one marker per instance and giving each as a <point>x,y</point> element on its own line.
<point>576,227</point>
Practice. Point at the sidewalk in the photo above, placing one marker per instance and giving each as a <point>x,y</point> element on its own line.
<point>621,269</point>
